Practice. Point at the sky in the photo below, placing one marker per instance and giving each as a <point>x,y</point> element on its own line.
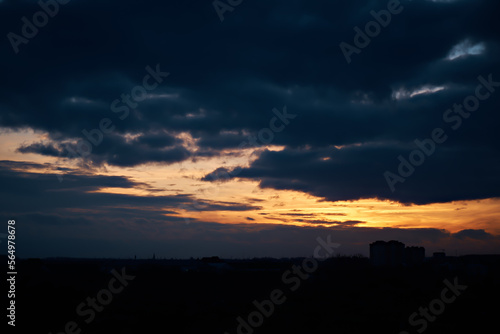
<point>249,128</point>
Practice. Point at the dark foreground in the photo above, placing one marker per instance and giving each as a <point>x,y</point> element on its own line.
<point>341,295</point>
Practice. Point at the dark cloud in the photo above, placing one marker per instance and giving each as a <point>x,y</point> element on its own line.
<point>156,140</point>
<point>69,218</point>
<point>474,234</point>
<point>221,174</point>
<point>42,192</point>
<point>47,149</point>
<point>336,223</point>
<point>115,150</point>
<point>225,79</point>
<point>357,172</point>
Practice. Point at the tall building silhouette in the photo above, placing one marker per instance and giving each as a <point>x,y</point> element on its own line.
<point>393,253</point>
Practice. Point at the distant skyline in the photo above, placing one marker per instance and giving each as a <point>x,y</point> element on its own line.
<point>181,129</point>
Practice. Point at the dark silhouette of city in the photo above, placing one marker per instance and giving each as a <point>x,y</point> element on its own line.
<point>341,294</point>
